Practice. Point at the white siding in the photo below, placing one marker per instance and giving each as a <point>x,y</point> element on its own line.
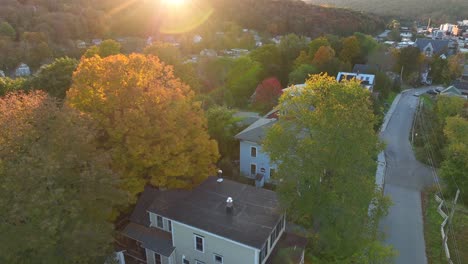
<point>232,252</point>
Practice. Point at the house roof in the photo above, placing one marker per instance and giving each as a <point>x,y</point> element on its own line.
<point>451,90</point>
<point>461,85</point>
<point>256,132</point>
<point>256,211</point>
<point>361,68</point>
<point>151,238</point>
<point>438,45</point>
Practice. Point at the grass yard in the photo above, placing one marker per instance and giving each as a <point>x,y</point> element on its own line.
<point>432,220</point>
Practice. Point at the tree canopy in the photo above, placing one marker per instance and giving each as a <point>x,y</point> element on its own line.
<point>149,120</point>
<point>57,192</point>
<point>55,78</point>
<point>325,144</point>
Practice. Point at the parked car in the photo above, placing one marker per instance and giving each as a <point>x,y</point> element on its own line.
<point>417,94</point>
<point>432,92</point>
<point>438,89</point>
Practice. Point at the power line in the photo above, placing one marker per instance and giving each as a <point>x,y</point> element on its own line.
<point>430,155</point>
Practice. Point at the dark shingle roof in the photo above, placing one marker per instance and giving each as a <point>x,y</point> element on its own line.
<point>361,68</point>
<point>256,132</point>
<point>255,214</point>
<point>151,238</point>
<point>461,85</point>
<point>439,46</point>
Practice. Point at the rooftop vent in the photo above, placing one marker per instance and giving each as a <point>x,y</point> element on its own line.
<point>229,205</point>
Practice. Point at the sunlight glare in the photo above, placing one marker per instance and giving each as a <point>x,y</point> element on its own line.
<point>174,2</point>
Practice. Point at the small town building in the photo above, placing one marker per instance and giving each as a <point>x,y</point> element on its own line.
<point>220,221</point>
<point>22,70</point>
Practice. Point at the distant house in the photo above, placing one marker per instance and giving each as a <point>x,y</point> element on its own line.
<point>208,53</point>
<point>80,44</point>
<point>2,73</point>
<point>97,42</point>
<point>452,91</point>
<point>22,70</point>
<point>462,83</point>
<point>431,47</point>
<point>197,39</point>
<point>367,80</point>
<point>220,222</point>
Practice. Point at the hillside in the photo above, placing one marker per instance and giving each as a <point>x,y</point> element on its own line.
<point>34,31</point>
<point>438,10</point>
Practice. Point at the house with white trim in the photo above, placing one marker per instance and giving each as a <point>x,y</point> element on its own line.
<point>431,47</point>
<point>218,222</point>
<point>367,80</point>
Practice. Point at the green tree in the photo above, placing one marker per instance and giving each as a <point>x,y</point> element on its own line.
<point>315,44</point>
<point>440,71</point>
<point>269,58</point>
<point>303,58</point>
<point>222,126</point>
<point>242,79</point>
<point>325,144</point>
<point>106,48</point>
<point>57,193</point>
<point>171,55</point>
<point>148,120</point>
<point>8,85</point>
<point>367,45</point>
<point>301,74</point>
<point>6,30</point>
<point>455,165</point>
<point>55,78</point>
<point>410,60</point>
<point>290,47</point>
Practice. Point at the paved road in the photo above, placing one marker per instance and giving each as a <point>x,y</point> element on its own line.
<point>405,178</point>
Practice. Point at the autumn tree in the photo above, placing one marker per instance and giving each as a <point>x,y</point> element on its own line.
<point>325,145</point>
<point>148,120</point>
<point>106,48</point>
<point>57,192</point>
<point>55,78</point>
<point>267,94</point>
<point>315,45</point>
<point>351,50</point>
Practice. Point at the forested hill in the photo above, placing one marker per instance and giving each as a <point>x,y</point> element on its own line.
<point>439,10</point>
<point>62,20</point>
<point>287,16</point>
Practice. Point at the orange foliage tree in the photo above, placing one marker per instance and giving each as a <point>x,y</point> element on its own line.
<point>150,122</point>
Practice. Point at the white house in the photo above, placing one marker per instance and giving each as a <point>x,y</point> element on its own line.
<point>367,80</point>
<point>22,70</point>
<point>218,222</point>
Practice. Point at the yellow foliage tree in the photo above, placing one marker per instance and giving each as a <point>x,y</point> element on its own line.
<point>150,122</point>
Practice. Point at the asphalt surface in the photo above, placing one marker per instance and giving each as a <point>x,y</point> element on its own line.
<point>404,179</point>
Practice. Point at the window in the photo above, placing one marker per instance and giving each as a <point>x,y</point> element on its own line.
<point>253,169</point>
<point>272,172</point>
<point>253,152</point>
<point>199,243</point>
<point>159,221</point>
<point>169,225</point>
<point>218,259</point>
<point>157,258</point>
<point>184,261</point>
<point>263,253</point>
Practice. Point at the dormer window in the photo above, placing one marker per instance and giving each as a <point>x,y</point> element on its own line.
<point>428,52</point>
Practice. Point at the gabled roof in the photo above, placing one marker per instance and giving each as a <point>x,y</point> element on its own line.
<point>256,211</point>
<point>151,238</point>
<point>461,85</point>
<point>438,45</point>
<point>256,132</point>
<point>451,90</point>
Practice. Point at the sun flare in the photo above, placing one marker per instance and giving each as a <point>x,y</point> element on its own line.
<point>174,2</point>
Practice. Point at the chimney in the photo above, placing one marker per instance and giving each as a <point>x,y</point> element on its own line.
<point>220,176</point>
<point>229,205</point>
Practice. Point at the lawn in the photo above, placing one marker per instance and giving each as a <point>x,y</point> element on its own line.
<point>432,220</point>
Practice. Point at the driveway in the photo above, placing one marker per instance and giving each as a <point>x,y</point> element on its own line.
<point>404,179</point>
